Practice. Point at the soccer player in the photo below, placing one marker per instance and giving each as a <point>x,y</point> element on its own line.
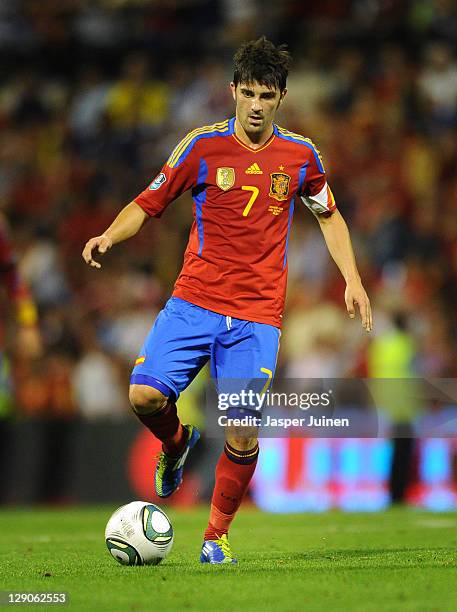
<point>246,175</point>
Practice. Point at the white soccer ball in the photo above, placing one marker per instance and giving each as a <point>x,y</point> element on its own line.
<point>139,533</point>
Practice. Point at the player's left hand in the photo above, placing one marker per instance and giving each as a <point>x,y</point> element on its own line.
<point>355,295</point>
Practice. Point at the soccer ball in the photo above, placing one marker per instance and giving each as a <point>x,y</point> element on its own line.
<point>139,533</point>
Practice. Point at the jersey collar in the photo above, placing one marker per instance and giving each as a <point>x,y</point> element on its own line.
<point>245,146</point>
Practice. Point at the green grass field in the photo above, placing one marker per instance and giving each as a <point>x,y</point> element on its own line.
<point>398,560</point>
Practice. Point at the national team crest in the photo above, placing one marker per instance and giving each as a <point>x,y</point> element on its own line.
<point>279,186</point>
<point>225,178</point>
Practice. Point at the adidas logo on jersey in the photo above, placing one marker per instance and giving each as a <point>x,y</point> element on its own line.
<point>254,169</point>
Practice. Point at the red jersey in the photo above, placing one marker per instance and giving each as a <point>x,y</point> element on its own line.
<point>235,262</point>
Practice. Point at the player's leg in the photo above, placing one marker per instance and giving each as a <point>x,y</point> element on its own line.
<point>158,413</point>
<point>234,472</point>
<point>246,352</point>
<point>175,350</point>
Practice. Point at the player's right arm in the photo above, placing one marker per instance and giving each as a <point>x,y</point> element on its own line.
<point>179,174</point>
<point>127,223</point>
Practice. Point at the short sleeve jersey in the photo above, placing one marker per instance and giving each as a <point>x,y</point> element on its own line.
<point>235,262</point>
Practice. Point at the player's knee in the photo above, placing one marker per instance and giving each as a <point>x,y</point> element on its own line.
<point>145,399</point>
<point>243,439</point>
<point>242,444</point>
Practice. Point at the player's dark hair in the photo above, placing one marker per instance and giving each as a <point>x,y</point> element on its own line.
<point>262,62</point>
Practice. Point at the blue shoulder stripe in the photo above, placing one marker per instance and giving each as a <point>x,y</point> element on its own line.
<point>182,150</point>
<point>307,142</point>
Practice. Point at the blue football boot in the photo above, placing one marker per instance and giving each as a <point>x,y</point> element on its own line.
<point>169,470</point>
<point>217,551</point>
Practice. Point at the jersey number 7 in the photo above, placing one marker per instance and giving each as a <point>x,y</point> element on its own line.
<point>254,195</point>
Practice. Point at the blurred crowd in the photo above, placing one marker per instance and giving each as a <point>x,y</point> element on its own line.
<point>93,98</point>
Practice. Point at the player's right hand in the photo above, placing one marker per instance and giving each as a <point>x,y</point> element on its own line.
<point>103,243</point>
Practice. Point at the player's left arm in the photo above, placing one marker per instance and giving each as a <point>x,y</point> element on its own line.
<point>318,197</point>
<point>337,238</point>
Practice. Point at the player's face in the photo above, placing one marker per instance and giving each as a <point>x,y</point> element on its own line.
<point>256,106</point>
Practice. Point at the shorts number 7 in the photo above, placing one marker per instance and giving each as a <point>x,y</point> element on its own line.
<point>252,199</point>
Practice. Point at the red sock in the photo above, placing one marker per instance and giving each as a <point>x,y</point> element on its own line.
<point>234,471</point>
<point>166,426</point>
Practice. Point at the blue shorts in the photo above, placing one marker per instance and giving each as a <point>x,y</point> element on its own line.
<point>185,336</point>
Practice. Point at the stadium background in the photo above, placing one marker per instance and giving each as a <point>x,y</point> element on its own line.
<point>93,96</point>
